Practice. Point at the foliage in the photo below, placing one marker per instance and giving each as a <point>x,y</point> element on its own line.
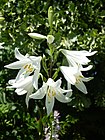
<point>77,25</point>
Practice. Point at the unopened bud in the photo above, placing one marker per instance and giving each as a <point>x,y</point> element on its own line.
<point>50,39</point>
<point>50,16</point>
<point>37,36</point>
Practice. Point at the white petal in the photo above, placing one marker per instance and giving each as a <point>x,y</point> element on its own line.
<point>35,60</point>
<point>81,86</point>
<point>35,79</point>
<point>37,36</point>
<point>69,93</point>
<point>62,98</point>
<point>88,53</point>
<point>12,81</point>
<point>57,83</point>
<point>60,90</point>
<point>79,59</point>
<point>20,91</point>
<point>82,52</point>
<point>20,74</point>
<point>86,68</point>
<point>23,83</point>
<point>50,82</point>
<point>27,99</point>
<point>53,84</point>
<point>49,104</point>
<point>77,56</point>
<point>16,65</point>
<point>18,55</point>
<point>87,79</point>
<point>27,96</point>
<point>40,93</point>
<point>68,74</point>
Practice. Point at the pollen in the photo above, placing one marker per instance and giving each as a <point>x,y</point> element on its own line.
<point>29,68</point>
<point>51,92</point>
<point>25,67</point>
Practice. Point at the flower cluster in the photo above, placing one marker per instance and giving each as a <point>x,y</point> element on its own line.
<point>29,70</point>
<point>26,81</point>
<point>73,72</point>
<point>27,65</point>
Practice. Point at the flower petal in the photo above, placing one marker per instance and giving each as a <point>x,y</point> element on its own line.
<point>87,79</point>
<point>35,79</point>
<point>74,59</point>
<point>69,93</point>
<point>23,83</point>
<point>57,83</point>
<point>18,55</point>
<point>53,84</point>
<point>27,96</point>
<point>81,86</point>
<point>20,74</point>
<point>20,91</point>
<point>40,93</point>
<point>49,104</point>
<point>62,98</point>
<point>68,74</point>
<point>86,68</point>
<point>79,57</point>
<point>17,64</point>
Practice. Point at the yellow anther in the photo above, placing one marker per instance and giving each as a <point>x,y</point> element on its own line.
<point>25,67</point>
<point>28,68</point>
<point>53,93</point>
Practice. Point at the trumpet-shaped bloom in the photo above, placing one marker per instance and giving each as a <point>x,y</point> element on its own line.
<point>52,90</point>
<point>50,38</point>
<point>74,76</point>
<point>77,57</point>
<point>23,86</point>
<point>27,64</point>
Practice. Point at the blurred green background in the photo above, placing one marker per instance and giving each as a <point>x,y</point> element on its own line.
<point>79,23</point>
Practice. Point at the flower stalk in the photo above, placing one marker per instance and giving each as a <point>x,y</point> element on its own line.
<point>50,17</point>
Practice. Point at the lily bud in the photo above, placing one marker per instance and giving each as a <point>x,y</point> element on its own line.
<point>50,16</point>
<point>50,39</point>
<point>37,36</point>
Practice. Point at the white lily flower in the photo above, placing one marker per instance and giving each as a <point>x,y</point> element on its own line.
<point>52,90</point>
<point>27,64</point>
<point>23,86</point>
<point>74,76</point>
<point>77,57</point>
<point>49,38</point>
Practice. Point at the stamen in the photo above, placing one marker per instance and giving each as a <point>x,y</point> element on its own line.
<point>53,93</point>
<point>78,79</point>
<point>25,67</point>
<point>28,68</point>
